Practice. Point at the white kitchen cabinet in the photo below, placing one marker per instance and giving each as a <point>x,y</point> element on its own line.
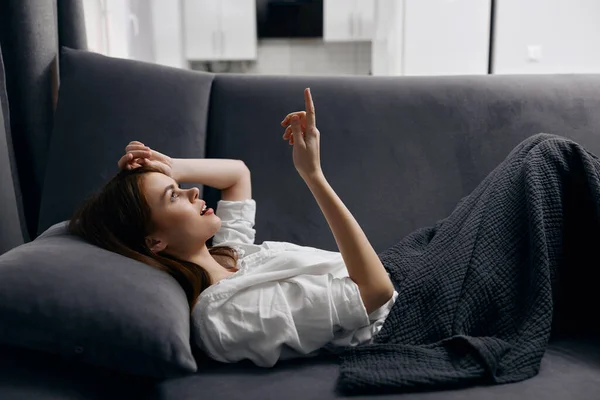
<point>142,30</point>
<point>365,19</point>
<point>220,30</point>
<point>238,30</point>
<point>201,27</point>
<point>348,20</point>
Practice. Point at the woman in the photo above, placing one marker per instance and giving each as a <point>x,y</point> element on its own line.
<point>262,302</point>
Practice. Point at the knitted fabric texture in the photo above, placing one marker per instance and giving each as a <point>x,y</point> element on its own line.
<point>478,290</point>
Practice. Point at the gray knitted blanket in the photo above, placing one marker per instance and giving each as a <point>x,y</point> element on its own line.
<point>478,290</point>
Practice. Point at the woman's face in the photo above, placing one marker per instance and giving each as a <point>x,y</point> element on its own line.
<point>176,214</point>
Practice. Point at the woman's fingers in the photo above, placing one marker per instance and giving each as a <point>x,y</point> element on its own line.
<point>307,117</point>
<point>131,155</point>
<point>123,161</point>
<point>287,119</point>
<point>137,163</point>
<point>288,135</point>
<point>310,109</point>
<point>135,143</point>
<point>132,147</point>
<point>139,153</point>
<point>288,132</point>
<point>297,130</point>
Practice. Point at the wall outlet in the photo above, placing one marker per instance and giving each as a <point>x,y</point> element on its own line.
<point>534,53</point>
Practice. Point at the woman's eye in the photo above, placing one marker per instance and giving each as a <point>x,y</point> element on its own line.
<point>173,192</point>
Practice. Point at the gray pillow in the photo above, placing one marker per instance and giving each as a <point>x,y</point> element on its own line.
<point>103,104</point>
<point>62,295</point>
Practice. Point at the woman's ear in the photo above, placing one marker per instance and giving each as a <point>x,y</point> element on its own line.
<point>155,245</point>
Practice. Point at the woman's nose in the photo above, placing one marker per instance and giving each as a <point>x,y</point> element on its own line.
<point>195,193</point>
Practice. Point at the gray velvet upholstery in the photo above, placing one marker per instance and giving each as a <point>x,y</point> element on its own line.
<point>570,370</point>
<point>30,374</point>
<point>400,152</point>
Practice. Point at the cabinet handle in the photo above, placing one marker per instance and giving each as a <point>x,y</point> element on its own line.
<point>351,23</point>
<point>135,24</point>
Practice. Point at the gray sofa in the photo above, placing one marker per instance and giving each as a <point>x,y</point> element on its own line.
<point>400,152</point>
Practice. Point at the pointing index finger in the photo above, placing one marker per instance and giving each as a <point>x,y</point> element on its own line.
<point>310,108</point>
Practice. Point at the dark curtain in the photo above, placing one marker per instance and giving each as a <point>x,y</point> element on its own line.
<point>12,226</point>
<point>71,24</point>
<point>31,32</point>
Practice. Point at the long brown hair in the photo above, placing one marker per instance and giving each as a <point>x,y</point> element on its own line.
<point>118,219</point>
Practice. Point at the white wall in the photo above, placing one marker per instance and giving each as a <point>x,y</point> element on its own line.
<point>387,44</point>
<point>107,26</point>
<point>168,33</point>
<point>565,32</point>
<point>431,37</point>
<point>95,26</point>
<point>446,37</point>
<point>119,23</point>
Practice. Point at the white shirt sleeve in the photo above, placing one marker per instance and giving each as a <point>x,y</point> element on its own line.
<point>366,334</point>
<point>237,221</point>
<point>302,313</point>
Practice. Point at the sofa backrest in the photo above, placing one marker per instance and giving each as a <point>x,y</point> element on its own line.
<point>399,151</point>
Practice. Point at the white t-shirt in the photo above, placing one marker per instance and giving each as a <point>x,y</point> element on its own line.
<point>286,301</point>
